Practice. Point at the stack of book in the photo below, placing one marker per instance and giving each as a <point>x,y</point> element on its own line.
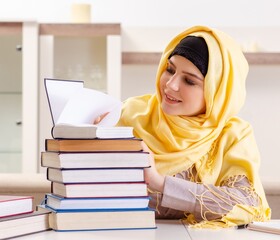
<point>17,217</point>
<point>97,176</point>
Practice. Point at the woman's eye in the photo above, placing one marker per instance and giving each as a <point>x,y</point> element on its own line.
<point>189,82</point>
<point>170,70</point>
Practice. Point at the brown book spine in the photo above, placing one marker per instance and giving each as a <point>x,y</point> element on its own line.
<point>93,145</point>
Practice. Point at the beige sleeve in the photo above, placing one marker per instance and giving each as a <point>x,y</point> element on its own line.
<point>205,202</point>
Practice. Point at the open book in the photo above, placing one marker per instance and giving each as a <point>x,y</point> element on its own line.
<point>73,109</point>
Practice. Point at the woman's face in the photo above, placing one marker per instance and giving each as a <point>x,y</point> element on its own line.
<point>182,88</point>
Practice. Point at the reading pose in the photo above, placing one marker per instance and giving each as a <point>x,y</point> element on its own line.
<point>205,161</point>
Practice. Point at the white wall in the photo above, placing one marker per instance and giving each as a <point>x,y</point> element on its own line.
<point>262,111</point>
<point>147,25</point>
<point>152,12</point>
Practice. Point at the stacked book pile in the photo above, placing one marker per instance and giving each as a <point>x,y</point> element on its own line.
<point>97,181</point>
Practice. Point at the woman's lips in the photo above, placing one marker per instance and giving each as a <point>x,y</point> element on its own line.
<point>171,99</point>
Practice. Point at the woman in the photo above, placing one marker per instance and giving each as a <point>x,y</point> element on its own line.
<point>204,159</point>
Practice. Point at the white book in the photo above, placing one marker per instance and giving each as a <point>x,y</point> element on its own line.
<point>95,160</point>
<point>61,203</point>
<point>102,220</point>
<point>87,190</point>
<point>100,175</point>
<point>15,205</point>
<point>23,224</point>
<point>74,108</point>
<point>272,226</point>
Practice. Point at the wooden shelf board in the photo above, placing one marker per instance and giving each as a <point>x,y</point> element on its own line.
<point>256,58</point>
<point>10,28</point>
<point>141,57</point>
<point>263,58</point>
<point>79,29</point>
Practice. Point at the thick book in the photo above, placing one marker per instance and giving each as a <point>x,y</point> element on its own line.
<point>100,175</point>
<point>62,203</point>
<point>74,108</point>
<point>15,205</point>
<point>93,145</point>
<point>95,160</point>
<point>88,190</point>
<point>102,220</point>
<point>24,224</point>
<point>272,226</point>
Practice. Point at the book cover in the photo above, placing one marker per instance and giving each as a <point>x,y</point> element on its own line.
<point>15,205</point>
<point>24,224</point>
<point>95,160</point>
<point>95,175</point>
<point>66,97</point>
<point>60,203</point>
<point>89,190</point>
<point>93,145</point>
<point>102,220</point>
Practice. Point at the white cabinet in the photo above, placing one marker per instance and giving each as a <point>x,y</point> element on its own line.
<point>18,96</point>
<point>10,101</point>
<point>89,52</point>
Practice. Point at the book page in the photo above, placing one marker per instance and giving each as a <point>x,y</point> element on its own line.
<point>58,93</point>
<point>88,104</point>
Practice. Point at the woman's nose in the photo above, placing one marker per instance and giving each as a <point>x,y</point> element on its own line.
<point>174,83</point>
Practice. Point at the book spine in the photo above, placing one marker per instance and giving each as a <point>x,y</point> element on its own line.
<point>53,221</point>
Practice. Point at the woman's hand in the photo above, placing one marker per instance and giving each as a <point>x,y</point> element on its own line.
<point>152,176</point>
<point>99,119</point>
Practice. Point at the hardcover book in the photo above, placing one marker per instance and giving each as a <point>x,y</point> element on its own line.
<point>66,97</point>
<point>15,205</point>
<point>88,190</point>
<point>24,224</point>
<point>272,226</point>
<point>102,220</point>
<point>62,203</point>
<point>93,145</point>
<point>95,160</point>
<point>95,175</point>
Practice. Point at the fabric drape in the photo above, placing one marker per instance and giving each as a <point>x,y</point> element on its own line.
<point>218,143</point>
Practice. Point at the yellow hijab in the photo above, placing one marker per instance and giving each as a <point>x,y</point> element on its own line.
<point>218,143</point>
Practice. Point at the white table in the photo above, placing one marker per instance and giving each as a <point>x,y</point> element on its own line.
<point>230,234</point>
<point>166,230</point>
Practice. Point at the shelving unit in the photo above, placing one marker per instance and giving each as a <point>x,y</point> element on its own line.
<point>89,52</point>
<point>10,28</point>
<point>254,58</point>
<point>110,34</point>
<point>27,33</point>
<point>263,58</point>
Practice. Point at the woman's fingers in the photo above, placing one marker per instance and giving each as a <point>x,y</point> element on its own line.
<point>99,119</point>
